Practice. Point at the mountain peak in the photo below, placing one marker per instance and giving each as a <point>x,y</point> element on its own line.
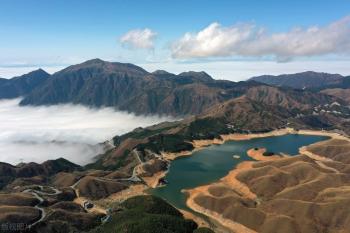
<point>33,74</point>
<point>98,66</point>
<point>201,75</point>
<point>161,72</point>
<point>39,72</point>
<point>95,61</point>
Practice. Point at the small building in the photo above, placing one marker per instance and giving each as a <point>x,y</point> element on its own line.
<point>105,219</point>
<point>88,205</point>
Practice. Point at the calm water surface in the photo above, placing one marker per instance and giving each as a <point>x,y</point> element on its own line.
<point>214,162</point>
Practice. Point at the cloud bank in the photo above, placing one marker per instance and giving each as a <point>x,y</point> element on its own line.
<point>139,39</point>
<point>70,131</point>
<point>253,41</point>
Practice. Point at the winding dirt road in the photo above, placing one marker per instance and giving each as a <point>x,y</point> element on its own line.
<point>36,194</point>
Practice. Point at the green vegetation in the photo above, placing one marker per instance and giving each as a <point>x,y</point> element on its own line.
<point>166,142</point>
<point>141,133</point>
<point>159,140</point>
<point>98,164</point>
<point>151,205</point>
<point>207,128</point>
<point>147,214</point>
<point>119,162</point>
<point>61,164</point>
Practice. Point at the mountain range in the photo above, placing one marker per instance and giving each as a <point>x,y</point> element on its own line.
<point>209,107</point>
<point>58,195</point>
<point>129,87</point>
<point>330,84</point>
<point>262,103</point>
<point>304,80</point>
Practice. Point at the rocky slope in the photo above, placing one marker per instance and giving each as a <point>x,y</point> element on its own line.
<point>129,87</point>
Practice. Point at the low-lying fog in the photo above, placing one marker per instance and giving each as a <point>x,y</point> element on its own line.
<point>36,134</point>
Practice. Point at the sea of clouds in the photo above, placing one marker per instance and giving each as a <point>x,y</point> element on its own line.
<point>36,134</point>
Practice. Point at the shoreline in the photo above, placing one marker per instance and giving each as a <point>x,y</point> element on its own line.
<point>153,181</point>
<point>201,144</point>
<point>231,181</point>
<point>258,154</point>
<point>200,221</point>
<point>231,225</point>
<point>230,178</point>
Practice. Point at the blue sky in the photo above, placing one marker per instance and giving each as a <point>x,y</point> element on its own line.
<point>54,34</point>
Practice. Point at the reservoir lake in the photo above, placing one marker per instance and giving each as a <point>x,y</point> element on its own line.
<point>214,162</point>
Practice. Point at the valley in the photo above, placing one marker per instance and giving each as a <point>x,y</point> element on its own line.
<point>221,156</point>
<point>185,173</point>
<point>174,116</point>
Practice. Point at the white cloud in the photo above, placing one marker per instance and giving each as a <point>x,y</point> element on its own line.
<point>139,39</point>
<point>253,41</point>
<point>70,131</point>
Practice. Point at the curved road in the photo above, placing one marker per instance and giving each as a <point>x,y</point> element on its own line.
<point>36,194</point>
<point>39,193</point>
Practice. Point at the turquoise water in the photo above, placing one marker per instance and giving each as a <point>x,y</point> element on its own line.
<point>214,162</point>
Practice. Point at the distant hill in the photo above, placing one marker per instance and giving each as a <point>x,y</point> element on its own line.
<point>304,80</point>
<point>329,84</point>
<point>131,88</point>
<point>22,85</point>
<point>265,108</point>
<point>9,172</point>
